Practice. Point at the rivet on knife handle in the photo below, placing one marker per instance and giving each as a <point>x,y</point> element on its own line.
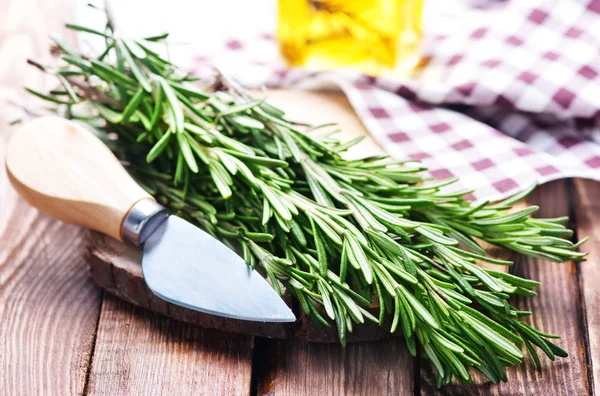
<point>65,171</point>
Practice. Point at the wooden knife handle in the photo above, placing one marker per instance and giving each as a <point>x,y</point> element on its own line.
<point>65,171</point>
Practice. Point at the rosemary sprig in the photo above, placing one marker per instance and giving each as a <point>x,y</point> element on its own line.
<point>340,235</point>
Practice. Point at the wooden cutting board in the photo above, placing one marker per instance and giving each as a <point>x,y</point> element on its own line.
<point>117,267</point>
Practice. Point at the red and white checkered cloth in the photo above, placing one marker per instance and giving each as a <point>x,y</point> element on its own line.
<point>510,95</point>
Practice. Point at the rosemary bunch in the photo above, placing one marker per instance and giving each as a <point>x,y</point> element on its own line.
<point>340,235</point>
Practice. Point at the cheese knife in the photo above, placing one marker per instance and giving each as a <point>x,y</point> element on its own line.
<point>61,168</point>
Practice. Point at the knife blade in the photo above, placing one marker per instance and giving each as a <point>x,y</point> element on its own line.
<point>65,171</point>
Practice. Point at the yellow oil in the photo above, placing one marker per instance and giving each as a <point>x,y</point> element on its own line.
<point>374,36</point>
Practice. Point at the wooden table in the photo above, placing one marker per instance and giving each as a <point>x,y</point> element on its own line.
<point>60,334</point>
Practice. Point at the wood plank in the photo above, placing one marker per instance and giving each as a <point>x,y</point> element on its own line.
<point>300,368</point>
<point>587,215</point>
<point>49,307</point>
<point>139,353</point>
<point>556,309</point>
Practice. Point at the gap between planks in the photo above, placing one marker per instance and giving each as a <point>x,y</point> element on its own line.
<point>86,385</point>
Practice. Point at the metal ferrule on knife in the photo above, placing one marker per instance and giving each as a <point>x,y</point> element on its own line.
<point>142,220</point>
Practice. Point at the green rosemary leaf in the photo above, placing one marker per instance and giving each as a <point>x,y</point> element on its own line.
<point>534,355</point>
<point>321,254</point>
<point>564,252</point>
<point>257,160</point>
<point>189,92</point>
<point>159,37</point>
<point>358,258</point>
<point>109,73</point>
<point>86,30</point>
<point>332,235</point>
<point>397,314</point>
<point>435,236</point>
<point>517,197</point>
<point>126,52</point>
<point>350,305</point>
<point>49,98</point>
<point>434,359</point>
<point>132,105</point>
<point>247,122</point>
<point>483,276</point>
<point>179,169</point>
<point>368,315</point>
<point>221,178</point>
<point>340,322</point>
<point>514,280</point>
<point>326,300</point>
<point>68,88</point>
<point>558,351</point>
<point>275,202</point>
<point>418,308</point>
<point>186,150</point>
<point>81,63</point>
<point>385,278</point>
<point>156,112</point>
<point>480,257</point>
<point>159,147</point>
<point>173,105</point>
<point>400,272</point>
<point>502,343</point>
<point>508,218</point>
<point>239,108</point>
<point>349,144</point>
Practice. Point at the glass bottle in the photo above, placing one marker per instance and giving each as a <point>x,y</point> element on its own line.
<point>373,36</point>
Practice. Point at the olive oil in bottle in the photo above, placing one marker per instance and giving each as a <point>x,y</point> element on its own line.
<point>373,36</point>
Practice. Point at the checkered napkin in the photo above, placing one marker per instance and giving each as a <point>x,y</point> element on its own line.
<point>509,96</point>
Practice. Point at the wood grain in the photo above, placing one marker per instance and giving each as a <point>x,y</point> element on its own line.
<point>587,215</point>
<point>142,353</point>
<point>556,309</point>
<point>49,306</point>
<point>300,368</point>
